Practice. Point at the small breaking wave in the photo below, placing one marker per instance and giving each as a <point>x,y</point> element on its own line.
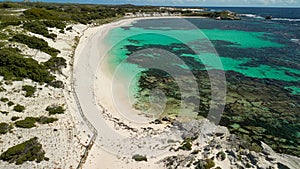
<point>252,16</point>
<point>286,19</point>
<point>273,19</point>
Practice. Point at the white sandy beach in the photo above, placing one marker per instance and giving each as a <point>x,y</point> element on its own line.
<point>98,102</point>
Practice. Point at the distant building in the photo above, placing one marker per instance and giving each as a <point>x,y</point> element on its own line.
<point>129,14</point>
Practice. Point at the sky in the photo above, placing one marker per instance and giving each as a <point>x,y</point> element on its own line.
<point>268,3</point>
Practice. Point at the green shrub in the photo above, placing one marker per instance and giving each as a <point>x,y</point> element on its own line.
<point>56,63</point>
<point>9,23</point>
<point>138,157</point>
<point>53,109</point>
<point>4,99</point>
<point>14,66</point>
<point>46,120</point>
<point>186,145</point>
<point>28,122</point>
<point>30,150</point>
<point>248,165</point>
<point>209,163</point>
<point>69,28</point>
<point>14,118</point>
<point>8,5</point>
<point>19,108</point>
<point>2,44</point>
<point>30,41</point>
<point>35,43</point>
<point>55,24</point>
<point>4,128</point>
<point>10,103</point>
<point>221,155</point>
<point>30,90</point>
<point>4,112</point>
<point>41,13</point>
<point>38,27</point>
<point>2,89</point>
<point>57,84</point>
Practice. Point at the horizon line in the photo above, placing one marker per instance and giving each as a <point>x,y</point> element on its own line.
<point>157,5</point>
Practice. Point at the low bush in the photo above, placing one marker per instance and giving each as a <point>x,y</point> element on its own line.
<point>38,27</point>
<point>221,156</point>
<point>209,163</point>
<point>14,118</point>
<point>35,43</point>
<point>4,112</point>
<point>56,63</point>
<point>30,90</point>
<point>19,108</point>
<point>57,84</point>
<point>4,128</point>
<point>30,150</point>
<point>9,23</point>
<point>46,120</point>
<point>10,103</point>
<point>69,28</point>
<point>186,145</point>
<point>55,24</point>
<point>41,13</point>
<point>14,66</point>
<point>4,99</point>
<point>138,157</point>
<point>28,122</point>
<point>53,109</point>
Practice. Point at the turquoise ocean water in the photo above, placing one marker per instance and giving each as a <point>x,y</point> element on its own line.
<point>259,44</point>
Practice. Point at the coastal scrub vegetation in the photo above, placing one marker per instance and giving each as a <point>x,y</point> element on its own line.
<point>10,103</point>
<point>19,108</point>
<point>186,145</point>
<point>4,112</point>
<point>14,66</point>
<point>29,122</point>
<point>14,118</point>
<point>56,63</point>
<point>39,28</point>
<point>54,109</point>
<point>204,164</point>
<point>35,43</point>
<point>4,128</point>
<point>30,150</point>
<point>30,90</point>
<point>138,157</point>
<point>4,99</point>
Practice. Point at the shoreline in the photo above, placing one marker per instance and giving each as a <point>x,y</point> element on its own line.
<point>100,111</point>
<point>94,50</point>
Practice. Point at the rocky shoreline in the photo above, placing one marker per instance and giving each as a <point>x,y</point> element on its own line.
<point>220,149</point>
